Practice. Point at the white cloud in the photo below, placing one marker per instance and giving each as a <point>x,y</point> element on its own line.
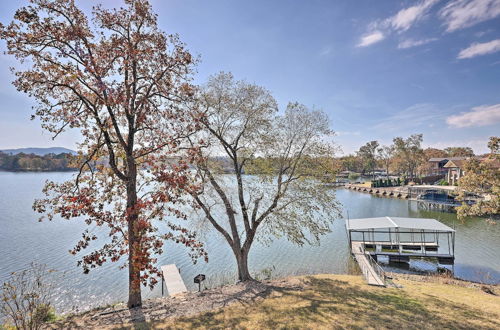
<point>478,49</point>
<point>408,43</point>
<point>405,18</point>
<point>483,115</point>
<point>402,21</point>
<point>461,14</point>
<point>371,38</point>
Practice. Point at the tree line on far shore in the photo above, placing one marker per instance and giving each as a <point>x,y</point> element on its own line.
<point>405,156</point>
<point>32,162</point>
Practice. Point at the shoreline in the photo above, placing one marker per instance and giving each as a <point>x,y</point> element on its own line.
<point>443,279</point>
<point>403,193</point>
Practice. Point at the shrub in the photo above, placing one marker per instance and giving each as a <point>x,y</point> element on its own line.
<point>25,298</point>
<point>353,176</point>
<point>265,274</point>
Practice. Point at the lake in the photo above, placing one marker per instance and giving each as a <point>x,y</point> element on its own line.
<point>23,239</point>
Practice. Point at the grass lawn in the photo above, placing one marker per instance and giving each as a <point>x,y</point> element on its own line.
<point>345,301</point>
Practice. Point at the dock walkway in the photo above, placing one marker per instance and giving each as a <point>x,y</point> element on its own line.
<point>370,274</point>
<point>173,279</point>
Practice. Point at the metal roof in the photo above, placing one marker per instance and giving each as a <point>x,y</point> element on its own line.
<point>396,222</point>
<point>440,159</point>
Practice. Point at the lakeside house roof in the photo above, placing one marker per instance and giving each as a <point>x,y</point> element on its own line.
<point>397,222</point>
<point>454,163</point>
<point>440,159</point>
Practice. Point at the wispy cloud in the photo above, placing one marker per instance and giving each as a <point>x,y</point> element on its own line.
<point>416,116</point>
<point>408,43</point>
<point>417,86</point>
<point>347,133</point>
<point>482,33</point>
<point>483,115</point>
<point>478,49</point>
<point>461,14</point>
<point>371,38</point>
<point>325,51</point>
<point>405,18</point>
<point>402,21</point>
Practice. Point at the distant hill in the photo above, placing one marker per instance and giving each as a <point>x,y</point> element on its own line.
<point>39,151</point>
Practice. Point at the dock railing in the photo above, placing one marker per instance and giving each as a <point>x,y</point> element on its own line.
<point>378,269</point>
<point>374,266</point>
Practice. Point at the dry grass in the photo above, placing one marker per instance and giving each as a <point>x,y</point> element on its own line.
<point>340,301</point>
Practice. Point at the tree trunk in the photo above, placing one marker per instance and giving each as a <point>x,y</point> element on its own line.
<point>134,271</point>
<point>242,261</point>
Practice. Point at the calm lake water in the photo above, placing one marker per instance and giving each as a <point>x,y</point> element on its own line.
<point>23,240</point>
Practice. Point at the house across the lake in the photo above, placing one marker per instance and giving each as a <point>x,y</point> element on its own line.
<point>437,165</point>
<point>453,167</point>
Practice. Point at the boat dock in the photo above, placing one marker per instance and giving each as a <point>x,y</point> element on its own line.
<point>173,280</point>
<point>398,239</point>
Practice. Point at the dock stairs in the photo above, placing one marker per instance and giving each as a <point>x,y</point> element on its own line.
<point>372,272</point>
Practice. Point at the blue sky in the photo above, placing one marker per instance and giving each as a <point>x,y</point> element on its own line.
<point>380,69</point>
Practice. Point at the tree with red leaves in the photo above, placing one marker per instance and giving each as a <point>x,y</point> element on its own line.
<point>125,85</point>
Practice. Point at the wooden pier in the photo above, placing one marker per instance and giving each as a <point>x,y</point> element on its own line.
<point>173,280</point>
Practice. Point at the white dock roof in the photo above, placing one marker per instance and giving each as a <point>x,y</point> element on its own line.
<point>396,222</point>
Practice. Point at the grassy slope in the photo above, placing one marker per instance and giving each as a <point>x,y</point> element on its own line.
<point>337,301</point>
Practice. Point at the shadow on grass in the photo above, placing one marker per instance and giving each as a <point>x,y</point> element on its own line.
<point>207,320</point>
<point>323,302</point>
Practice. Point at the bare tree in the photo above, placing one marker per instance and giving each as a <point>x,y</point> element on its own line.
<point>385,154</point>
<point>275,161</point>
<point>368,154</point>
<point>409,153</point>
